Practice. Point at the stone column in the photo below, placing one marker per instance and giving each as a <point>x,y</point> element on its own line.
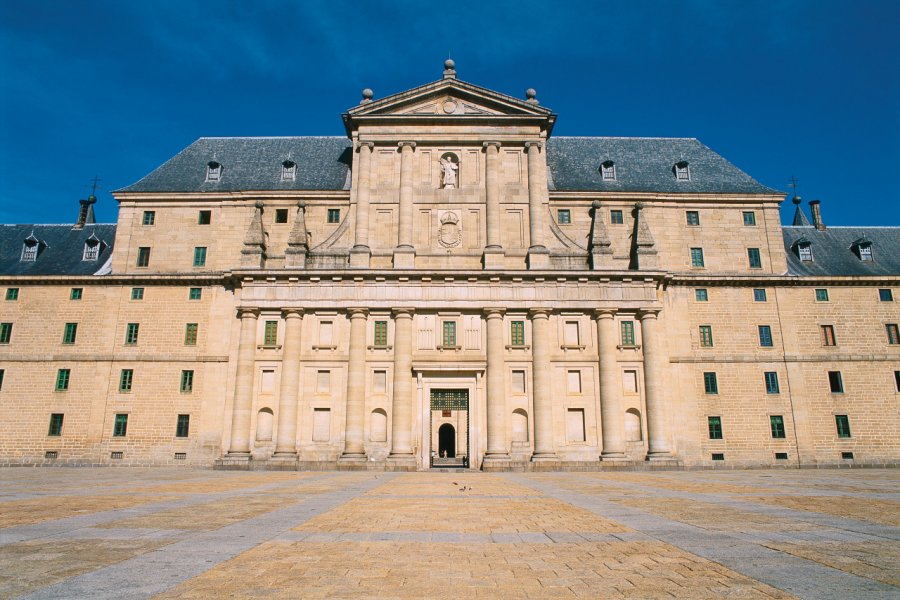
<point>654,388</point>
<point>496,396</point>
<point>404,253</point>
<point>354,448</point>
<point>538,255</point>
<point>360,253</point>
<point>493,251</point>
<point>286,440</point>
<point>544,448</point>
<point>610,388</point>
<point>243,387</point>
<point>402,408</point>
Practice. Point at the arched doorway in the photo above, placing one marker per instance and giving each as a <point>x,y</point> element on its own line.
<point>447,441</point>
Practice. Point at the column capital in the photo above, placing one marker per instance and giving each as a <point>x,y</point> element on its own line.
<point>406,144</point>
<point>248,312</point>
<point>648,313</point>
<point>494,313</point>
<point>358,313</point>
<point>404,313</point>
<point>489,145</point>
<point>288,313</point>
<point>533,144</point>
<point>361,145</point>
<point>605,313</point>
<point>540,313</point>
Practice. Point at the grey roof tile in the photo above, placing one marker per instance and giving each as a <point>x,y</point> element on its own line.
<point>832,251</point>
<point>62,249</point>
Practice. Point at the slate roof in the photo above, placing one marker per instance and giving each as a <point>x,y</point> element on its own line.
<point>644,165</point>
<point>833,253</point>
<point>61,249</point>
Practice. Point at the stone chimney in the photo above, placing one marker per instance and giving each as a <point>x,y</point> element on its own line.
<point>86,212</point>
<point>816,215</point>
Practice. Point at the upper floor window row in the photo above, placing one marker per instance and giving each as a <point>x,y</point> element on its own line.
<point>214,170</point>
<point>861,248</point>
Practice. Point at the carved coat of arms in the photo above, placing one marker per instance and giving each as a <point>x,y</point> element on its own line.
<point>449,232</point>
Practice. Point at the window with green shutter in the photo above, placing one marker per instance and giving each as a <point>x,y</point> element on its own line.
<point>120,427</point>
<point>270,335</point>
<point>710,383</point>
<point>69,333</point>
<point>131,334</point>
<point>56,423</point>
<point>190,334</point>
<point>517,333</point>
<point>126,380</point>
<point>381,334</point>
<point>448,334</point>
<point>843,425</point>
<point>777,424</point>
<point>627,333</point>
<point>706,337</point>
<point>715,427</point>
<point>182,426</point>
<point>62,379</point>
<point>187,381</point>
<point>200,256</point>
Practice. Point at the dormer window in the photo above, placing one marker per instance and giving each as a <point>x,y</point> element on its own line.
<point>804,251</point>
<point>863,249</point>
<point>288,170</point>
<point>92,248</point>
<point>213,171</point>
<point>30,249</point>
<point>682,171</point>
<point>608,170</point>
<point>865,252</point>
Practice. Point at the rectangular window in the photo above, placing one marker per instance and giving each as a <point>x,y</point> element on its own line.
<point>701,295</point>
<point>835,382</point>
<point>187,382</point>
<point>334,215</point>
<point>715,427</point>
<point>379,381</point>
<point>843,425</point>
<point>616,217</point>
<point>771,378</point>
<point>56,422</point>
<point>893,334</point>
<point>765,336</point>
<point>149,217</point>
<point>200,256</point>
<point>896,379</point>
<point>753,258</point>
<point>706,338</point>
<point>693,218</point>
<point>821,295</point>
<point>204,217</point>
<point>776,422</point>
<point>281,215</point>
<point>182,426</point>
<point>886,295</point>
<point>323,381</point>
<point>137,293</point>
<point>194,293</point>
<point>563,216</point>
<point>697,257</point>
<point>143,257</point>
<point>627,328</point>
<point>69,333</point>
<point>120,427</point>
<point>865,252</point>
<point>629,382</point>
<point>190,334</point>
<point>326,330</point>
<point>828,338</point>
<point>759,295</point>
<point>76,293</point>
<point>805,252</point>
<point>571,333</point>
<point>710,383</point>
<point>5,332</point>
<point>517,333</point>
<point>749,218</point>
<point>781,456</point>
<point>574,382</point>
<point>62,379</point>
<point>91,252</point>
<point>126,380</point>
<point>12,293</point>
<point>131,334</point>
<point>575,425</point>
<point>3,372</point>
<point>270,335</point>
<point>517,382</point>
<point>381,333</point>
<point>448,334</point>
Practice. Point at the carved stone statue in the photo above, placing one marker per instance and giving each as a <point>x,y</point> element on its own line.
<point>449,169</point>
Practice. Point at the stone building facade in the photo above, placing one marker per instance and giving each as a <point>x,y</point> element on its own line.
<point>449,285</point>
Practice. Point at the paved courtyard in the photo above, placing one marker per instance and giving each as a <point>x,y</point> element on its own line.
<point>167,533</point>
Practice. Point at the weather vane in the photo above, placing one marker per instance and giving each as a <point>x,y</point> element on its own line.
<point>94,188</point>
<point>793,184</point>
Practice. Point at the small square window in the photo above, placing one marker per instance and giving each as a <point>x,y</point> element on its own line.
<point>753,258</point>
<point>765,336</point>
<point>12,294</point>
<point>62,379</point>
<point>893,334</point>
<point>131,334</point>
<point>76,293</point>
<point>187,382</point>
<point>616,217</point>
<point>759,295</point>
<point>190,334</point>
<point>886,295</point>
<point>5,332</point>
<point>381,334</point>
<point>821,295</point>
<point>126,380</point>
<point>137,293</point>
<point>843,426</point>
<point>701,295</point>
<point>149,217</point>
<point>563,216</point>
<point>781,456</point>
<point>334,215</point>
<point>828,338</point>
<point>281,215</point>
<point>627,333</point>
<point>706,337</point>
<point>710,383</point>
<point>182,426</point>
<point>56,423</point>
<point>693,218</point>
<point>715,427</point>
<point>718,456</point>
<point>200,256</point>
<point>69,333</point>
<point>771,378</point>
<point>194,293</point>
<point>517,333</point>
<point>143,257</point>
<point>697,257</point>
<point>749,218</point>
<point>120,428</point>
<point>270,335</point>
<point>835,382</point>
<point>204,217</point>
<point>776,422</point>
<point>847,455</point>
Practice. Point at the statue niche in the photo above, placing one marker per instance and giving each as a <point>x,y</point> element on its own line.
<point>449,171</point>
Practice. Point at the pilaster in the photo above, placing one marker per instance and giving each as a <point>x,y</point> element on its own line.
<point>286,438</point>
<point>611,416</point>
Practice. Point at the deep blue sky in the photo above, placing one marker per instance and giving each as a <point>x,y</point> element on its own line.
<point>806,89</point>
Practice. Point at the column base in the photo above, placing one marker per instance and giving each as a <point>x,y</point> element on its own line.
<point>544,457</point>
<point>238,461</point>
<point>538,257</point>
<point>602,259</point>
<point>494,258</point>
<point>401,462</point>
<point>613,457</point>
<point>661,457</point>
<point>284,456</point>
<point>404,257</point>
<point>360,257</point>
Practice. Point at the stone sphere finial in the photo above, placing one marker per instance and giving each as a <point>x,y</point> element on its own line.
<point>797,200</point>
<point>596,204</point>
<point>449,64</point>
<point>639,206</point>
<point>531,93</point>
<point>259,204</point>
<point>367,94</point>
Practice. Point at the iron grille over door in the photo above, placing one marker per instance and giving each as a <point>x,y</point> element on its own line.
<point>449,399</point>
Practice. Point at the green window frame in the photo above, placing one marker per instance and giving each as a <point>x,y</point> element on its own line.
<point>627,333</point>
<point>842,423</point>
<point>126,380</point>
<point>692,217</point>
<point>697,258</point>
<point>715,427</point>
<point>835,382</point>
<point>893,334</point>
<point>517,333</point>
<point>701,295</point>
<point>70,332</point>
<point>710,383</point>
<point>564,216</point>
<point>448,334</point>
<point>143,256</point>
<point>149,217</point>
<point>182,426</point>
<point>5,332</point>
<point>771,379</point>
<point>195,293</point>
<point>749,218</point>
<point>765,336</point>
<point>380,334</point>
<point>776,423</point>
<point>137,293</point>
<point>12,294</point>
<point>187,381</point>
<point>616,217</point>
<point>706,336</point>
<point>56,424</point>
<point>190,334</point>
<point>62,379</point>
<point>131,334</point>
<point>200,256</point>
<point>270,333</point>
<point>120,426</point>
<point>821,295</point>
<point>334,215</point>
<point>759,295</point>
<point>754,258</point>
<point>204,217</point>
<point>76,293</point>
